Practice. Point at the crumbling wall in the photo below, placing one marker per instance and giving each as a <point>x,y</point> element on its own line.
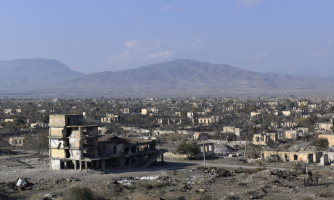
<point>55,164</point>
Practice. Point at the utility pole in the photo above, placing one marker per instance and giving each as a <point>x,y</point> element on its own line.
<point>204,154</point>
<point>246,146</point>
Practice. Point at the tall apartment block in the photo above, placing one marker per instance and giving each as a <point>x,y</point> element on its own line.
<point>73,145</point>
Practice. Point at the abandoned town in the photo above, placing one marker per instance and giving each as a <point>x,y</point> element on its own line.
<point>167,148</point>
<point>166,100</point>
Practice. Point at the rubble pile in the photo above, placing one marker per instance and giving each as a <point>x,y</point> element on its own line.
<point>222,149</point>
<point>219,172</point>
<point>23,184</point>
<point>268,181</point>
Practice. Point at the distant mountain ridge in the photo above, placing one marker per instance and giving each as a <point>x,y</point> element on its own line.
<point>190,75</point>
<point>38,70</point>
<point>180,76</point>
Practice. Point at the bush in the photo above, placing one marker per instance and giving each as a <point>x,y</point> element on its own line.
<point>274,158</point>
<point>187,149</point>
<point>321,143</point>
<point>81,193</point>
<point>299,167</point>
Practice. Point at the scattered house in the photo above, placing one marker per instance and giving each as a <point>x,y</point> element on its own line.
<point>273,136</point>
<point>206,120</point>
<point>190,115</point>
<point>8,120</point>
<point>109,118</point>
<point>271,104</point>
<point>262,139</point>
<point>312,106</point>
<point>303,129</point>
<point>230,108</point>
<point>275,125</point>
<point>290,124</point>
<point>209,149</point>
<point>39,125</point>
<point>162,121</point>
<point>293,134</point>
<point>174,121</point>
<point>303,156</point>
<point>127,110</point>
<point>200,136</point>
<point>305,103</point>
<point>16,141</point>
<point>8,111</point>
<point>324,126</point>
<point>144,111</point>
<point>18,110</point>
<point>232,129</point>
<point>286,113</point>
<point>254,114</point>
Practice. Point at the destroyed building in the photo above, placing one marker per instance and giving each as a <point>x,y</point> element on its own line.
<point>73,145</point>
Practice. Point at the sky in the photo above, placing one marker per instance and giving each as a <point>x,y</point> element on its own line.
<point>283,36</point>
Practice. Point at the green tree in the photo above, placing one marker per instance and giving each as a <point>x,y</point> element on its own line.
<point>321,143</point>
<point>187,149</point>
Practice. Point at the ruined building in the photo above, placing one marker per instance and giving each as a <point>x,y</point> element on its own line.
<point>73,145</point>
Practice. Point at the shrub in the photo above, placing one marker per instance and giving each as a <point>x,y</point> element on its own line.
<point>274,158</point>
<point>321,143</point>
<point>188,149</point>
<point>81,193</point>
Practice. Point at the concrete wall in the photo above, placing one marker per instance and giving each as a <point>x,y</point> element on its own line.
<point>56,132</point>
<point>55,143</point>
<point>74,142</point>
<point>171,156</point>
<point>55,164</point>
<point>16,141</point>
<point>63,120</point>
<point>55,153</point>
<point>302,156</point>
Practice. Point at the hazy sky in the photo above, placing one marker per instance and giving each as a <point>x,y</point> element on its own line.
<point>283,36</point>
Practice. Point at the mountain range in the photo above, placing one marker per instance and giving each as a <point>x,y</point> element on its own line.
<point>182,76</point>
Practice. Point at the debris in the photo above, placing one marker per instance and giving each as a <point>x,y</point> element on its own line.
<point>149,177</point>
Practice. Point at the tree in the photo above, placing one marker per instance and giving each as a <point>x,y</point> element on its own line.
<point>187,149</point>
<point>39,143</point>
<point>321,143</point>
<point>4,144</point>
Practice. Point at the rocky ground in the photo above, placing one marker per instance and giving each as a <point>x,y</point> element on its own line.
<point>176,180</point>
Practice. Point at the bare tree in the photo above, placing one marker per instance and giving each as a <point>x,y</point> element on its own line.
<point>40,142</point>
<point>4,144</point>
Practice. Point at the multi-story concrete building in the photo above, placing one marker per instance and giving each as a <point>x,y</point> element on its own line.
<point>74,146</point>
<point>71,142</point>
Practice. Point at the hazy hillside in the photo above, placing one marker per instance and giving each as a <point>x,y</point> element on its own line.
<point>189,75</point>
<point>40,71</point>
<point>173,77</point>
